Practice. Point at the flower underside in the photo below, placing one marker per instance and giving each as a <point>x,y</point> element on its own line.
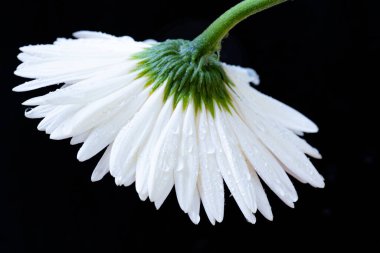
<point>240,136</point>
<point>200,80</point>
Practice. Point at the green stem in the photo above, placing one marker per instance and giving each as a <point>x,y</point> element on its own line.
<point>209,41</point>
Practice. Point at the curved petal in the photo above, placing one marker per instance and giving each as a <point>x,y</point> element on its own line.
<point>143,166</point>
<point>39,111</point>
<point>56,117</point>
<point>261,198</point>
<point>286,152</point>
<point>85,91</point>
<point>271,108</point>
<point>91,34</point>
<point>186,173</point>
<point>264,163</point>
<point>227,175</point>
<point>194,208</point>
<point>236,161</point>
<point>102,167</point>
<point>98,111</point>
<point>210,182</point>
<point>106,133</point>
<point>79,138</point>
<point>133,135</point>
<point>239,75</point>
<point>165,158</point>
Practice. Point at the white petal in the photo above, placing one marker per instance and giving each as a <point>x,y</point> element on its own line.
<point>104,134</point>
<point>210,183</point>
<point>239,75</point>
<point>261,198</point>
<point>89,48</point>
<point>299,133</point>
<point>276,110</point>
<point>165,158</point>
<point>56,117</point>
<point>144,160</point>
<point>127,177</point>
<point>194,208</point>
<point>227,175</point>
<point>24,57</point>
<point>286,152</point>
<point>264,163</point>
<point>39,111</point>
<point>52,69</point>
<point>79,138</point>
<point>186,173</point>
<point>133,135</point>
<point>300,143</point>
<point>44,82</point>
<point>100,110</point>
<point>235,160</point>
<point>85,91</point>
<point>102,167</point>
<point>90,34</point>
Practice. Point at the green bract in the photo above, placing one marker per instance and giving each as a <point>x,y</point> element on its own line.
<point>191,70</point>
<point>200,80</point>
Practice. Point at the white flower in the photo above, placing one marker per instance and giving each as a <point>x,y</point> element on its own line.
<point>106,105</point>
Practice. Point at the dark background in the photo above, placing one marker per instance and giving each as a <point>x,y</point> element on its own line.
<point>317,56</point>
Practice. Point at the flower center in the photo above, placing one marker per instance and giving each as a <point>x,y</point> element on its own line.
<point>190,70</point>
<point>200,80</point>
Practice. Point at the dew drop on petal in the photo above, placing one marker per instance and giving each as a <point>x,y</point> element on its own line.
<point>210,150</point>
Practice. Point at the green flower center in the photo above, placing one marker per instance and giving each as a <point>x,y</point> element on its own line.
<point>191,70</point>
<point>188,79</point>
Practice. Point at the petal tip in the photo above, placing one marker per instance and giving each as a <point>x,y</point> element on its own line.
<point>142,196</point>
<point>320,185</point>
<point>252,220</point>
<point>157,205</point>
<point>309,126</point>
<point>195,219</point>
<point>95,177</point>
<point>81,158</point>
<point>32,102</point>
<point>18,88</point>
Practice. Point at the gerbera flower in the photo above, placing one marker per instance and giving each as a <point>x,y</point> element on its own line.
<point>170,114</point>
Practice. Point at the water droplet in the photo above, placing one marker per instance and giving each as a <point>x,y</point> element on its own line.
<point>180,167</point>
<point>211,150</point>
<point>176,130</point>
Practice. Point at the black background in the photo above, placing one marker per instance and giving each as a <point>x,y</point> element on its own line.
<point>317,56</point>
